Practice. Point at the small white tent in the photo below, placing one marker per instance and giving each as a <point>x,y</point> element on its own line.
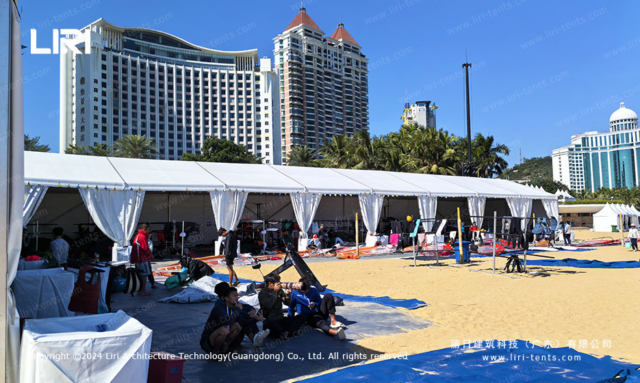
<point>609,216</point>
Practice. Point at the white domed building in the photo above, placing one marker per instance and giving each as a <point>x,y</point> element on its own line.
<point>602,159</point>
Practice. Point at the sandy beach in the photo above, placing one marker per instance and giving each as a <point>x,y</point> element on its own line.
<point>468,303</point>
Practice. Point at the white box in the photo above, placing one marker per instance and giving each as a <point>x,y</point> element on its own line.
<point>73,350</point>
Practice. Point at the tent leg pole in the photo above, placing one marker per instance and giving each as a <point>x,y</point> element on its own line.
<point>435,241</point>
<point>414,252</point>
<point>461,258</point>
<point>495,226</point>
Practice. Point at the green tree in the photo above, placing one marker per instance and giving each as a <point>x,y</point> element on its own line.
<point>549,185</point>
<point>32,144</point>
<point>434,151</point>
<point>75,149</point>
<point>532,169</point>
<point>133,146</point>
<point>102,150</point>
<point>337,152</point>
<point>302,156</point>
<point>488,156</point>
<point>217,150</point>
<point>365,153</point>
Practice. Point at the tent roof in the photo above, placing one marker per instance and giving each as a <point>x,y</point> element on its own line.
<point>150,174</point>
<point>50,169</point>
<point>65,170</point>
<point>614,210</point>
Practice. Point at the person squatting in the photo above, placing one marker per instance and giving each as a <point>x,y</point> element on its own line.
<point>230,321</point>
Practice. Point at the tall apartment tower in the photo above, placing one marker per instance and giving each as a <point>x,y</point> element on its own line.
<point>146,82</point>
<point>421,113</point>
<point>324,84</point>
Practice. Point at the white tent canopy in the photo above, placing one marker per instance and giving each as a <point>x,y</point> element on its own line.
<point>609,216</point>
<point>73,171</point>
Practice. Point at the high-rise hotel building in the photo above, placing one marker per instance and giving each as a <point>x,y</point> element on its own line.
<point>323,84</point>
<point>147,82</point>
<point>602,159</point>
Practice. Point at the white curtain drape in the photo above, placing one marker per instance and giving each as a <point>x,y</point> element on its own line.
<point>115,212</point>
<point>304,207</point>
<point>476,209</point>
<point>521,208</point>
<point>428,208</point>
<point>33,196</point>
<point>227,208</point>
<point>13,147</point>
<point>371,208</point>
<point>551,207</point>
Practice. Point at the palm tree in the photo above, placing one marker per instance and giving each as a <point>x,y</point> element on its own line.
<point>335,152</point>
<point>364,154</point>
<point>75,149</point>
<point>132,146</point>
<point>302,156</point>
<point>32,144</point>
<point>487,156</point>
<point>433,152</point>
<point>102,150</point>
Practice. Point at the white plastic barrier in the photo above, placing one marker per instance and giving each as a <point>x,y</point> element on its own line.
<point>95,348</point>
<point>372,239</point>
<point>43,293</point>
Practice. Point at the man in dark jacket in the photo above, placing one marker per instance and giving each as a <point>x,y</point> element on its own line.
<point>197,269</point>
<point>222,329</point>
<point>233,319</point>
<point>230,252</point>
<point>271,299</point>
<point>321,236</point>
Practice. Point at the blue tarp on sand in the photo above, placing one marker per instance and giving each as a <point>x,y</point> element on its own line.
<point>525,363</point>
<point>409,304</point>
<point>594,264</point>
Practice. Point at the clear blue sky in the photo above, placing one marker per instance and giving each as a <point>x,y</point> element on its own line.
<point>542,70</point>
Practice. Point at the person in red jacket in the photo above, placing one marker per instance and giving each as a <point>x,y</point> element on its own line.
<point>141,255</point>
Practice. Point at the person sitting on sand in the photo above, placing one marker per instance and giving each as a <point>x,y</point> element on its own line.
<point>229,322</point>
<point>316,242</point>
<point>248,318</point>
<point>316,310</point>
<point>196,268</point>
<point>271,299</point>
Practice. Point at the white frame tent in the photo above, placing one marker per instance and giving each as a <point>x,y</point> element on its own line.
<point>233,182</point>
<point>610,215</point>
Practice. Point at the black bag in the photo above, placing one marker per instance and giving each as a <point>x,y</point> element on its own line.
<point>134,281</point>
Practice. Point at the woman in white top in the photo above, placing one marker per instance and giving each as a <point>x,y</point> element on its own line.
<point>567,234</point>
<point>60,247</point>
<point>633,236</point>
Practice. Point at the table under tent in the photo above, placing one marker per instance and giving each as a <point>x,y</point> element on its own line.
<point>111,196</point>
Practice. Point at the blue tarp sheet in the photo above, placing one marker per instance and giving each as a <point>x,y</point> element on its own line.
<point>523,363</point>
<point>594,264</point>
<point>409,304</point>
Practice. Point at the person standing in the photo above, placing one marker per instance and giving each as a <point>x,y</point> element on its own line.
<point>321,236</point>
<point>230,253</point>
<point>567,234</point>
<point>60,247</point>
<point>152,280</point>
<point>633,236</point>
<point>141,257</point>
